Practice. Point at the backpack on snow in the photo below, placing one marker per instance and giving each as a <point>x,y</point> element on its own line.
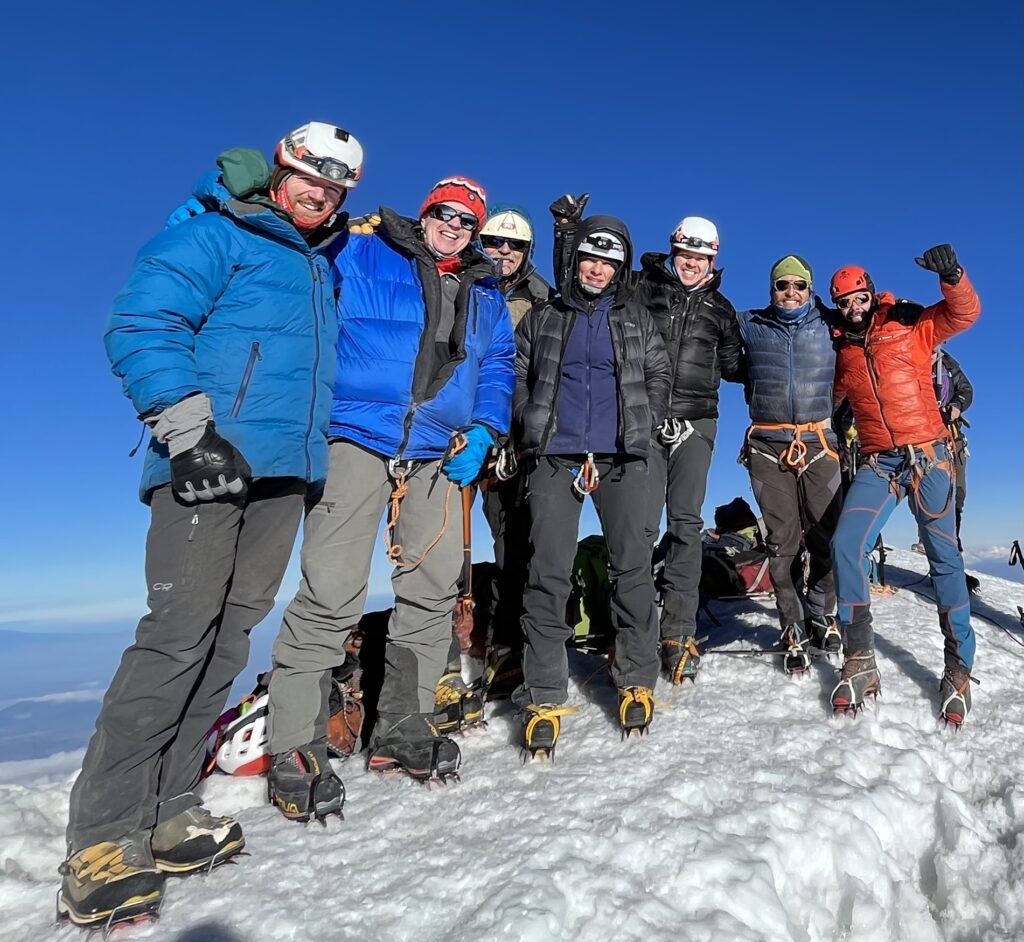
<point>734,560</point>
<point>588,611</point>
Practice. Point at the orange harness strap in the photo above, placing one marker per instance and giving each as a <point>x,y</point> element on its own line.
<point>795,456</point>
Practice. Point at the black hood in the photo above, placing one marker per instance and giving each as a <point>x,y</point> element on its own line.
<point>599,224</point>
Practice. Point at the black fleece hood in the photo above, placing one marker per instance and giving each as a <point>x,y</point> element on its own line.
<point>599,224</point>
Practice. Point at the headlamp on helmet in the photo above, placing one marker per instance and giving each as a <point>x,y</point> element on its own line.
<point>322,151</point>
<point>695,234</point>
<point>603,245</point>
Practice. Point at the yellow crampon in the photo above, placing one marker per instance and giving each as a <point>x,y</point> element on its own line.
<point>631,718</point>
<point>541,714</point>
<point>689,657</point>
<point>456,706</point>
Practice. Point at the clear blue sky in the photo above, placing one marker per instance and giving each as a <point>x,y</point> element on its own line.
<point>848,132</point>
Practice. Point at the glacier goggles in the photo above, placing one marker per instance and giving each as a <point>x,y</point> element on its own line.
<point>799,285</point>
<point>468,221</point>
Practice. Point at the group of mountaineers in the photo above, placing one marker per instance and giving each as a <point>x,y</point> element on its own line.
<point>295,366</point>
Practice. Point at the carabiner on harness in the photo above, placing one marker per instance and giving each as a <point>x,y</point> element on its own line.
<point>506,466</point>
<point>587,478</point>
<point>673,432</point>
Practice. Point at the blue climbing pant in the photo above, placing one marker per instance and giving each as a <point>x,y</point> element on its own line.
<point>922,475</point>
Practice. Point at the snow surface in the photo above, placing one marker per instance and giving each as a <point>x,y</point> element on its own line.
<point>747,814</point>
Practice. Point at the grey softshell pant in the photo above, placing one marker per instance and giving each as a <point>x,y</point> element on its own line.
<point>213,570</point>
<point>621,502</point>
<point>339,538</point>
<point>679,478</point>
<point>798,505</point>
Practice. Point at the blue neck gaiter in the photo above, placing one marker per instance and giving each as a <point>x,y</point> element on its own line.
<point>792,315</point>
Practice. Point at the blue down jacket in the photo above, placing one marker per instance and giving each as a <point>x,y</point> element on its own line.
<point>235,304</point>
<point>790,367</point>
<point>395,394</point>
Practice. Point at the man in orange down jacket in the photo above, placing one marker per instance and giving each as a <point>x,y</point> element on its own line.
<point>883,367</point>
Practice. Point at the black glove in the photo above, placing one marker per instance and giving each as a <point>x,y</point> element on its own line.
<point>211,468</point>
<point>942,260</point>
<point>568,209</point>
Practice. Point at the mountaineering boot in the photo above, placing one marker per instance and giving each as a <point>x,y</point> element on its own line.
<point>195,840</point>
<point>858,680</point>
<point>110,883</point>
<point>456,705</point>
<point>680,659</point>
<point>955,695</point>
<point>795,640</point>
<point>503,673</point>
<point>302,784</point>
<point>414,745</point>
<point>825,634</point>
<point>636,707</point>
<point>541,728</point>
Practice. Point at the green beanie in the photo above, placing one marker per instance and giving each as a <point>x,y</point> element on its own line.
<point>792,265</point>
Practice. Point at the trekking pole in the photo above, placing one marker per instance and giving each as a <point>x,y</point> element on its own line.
<point>464,606</point>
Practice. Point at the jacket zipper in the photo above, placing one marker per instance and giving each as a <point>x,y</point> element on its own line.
<point>873,376</point>
<point>552,423</point>
<point>317,320</point>
<point>254,355</point>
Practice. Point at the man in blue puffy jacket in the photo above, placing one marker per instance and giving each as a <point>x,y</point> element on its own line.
<point>791,453</point>
<point>425,380</point>
<point>224,340</point>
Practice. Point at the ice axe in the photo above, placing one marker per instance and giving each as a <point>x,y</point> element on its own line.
<point>463,619</point>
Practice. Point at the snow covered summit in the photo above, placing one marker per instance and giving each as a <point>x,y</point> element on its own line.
<point>749,813</point>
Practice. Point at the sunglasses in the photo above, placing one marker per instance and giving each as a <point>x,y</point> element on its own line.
<point>781,286</point>
<point>468,221</point>
<point>496,242</point>
<point>845,303</point>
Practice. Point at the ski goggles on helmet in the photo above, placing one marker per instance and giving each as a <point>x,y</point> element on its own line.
<point>496,242</point>
<point>861,298</point>
<point>468,221</point>
<point>800,285</point>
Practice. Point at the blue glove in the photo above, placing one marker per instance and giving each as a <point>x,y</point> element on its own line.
<point>191,207</point>
<point>465,466</point>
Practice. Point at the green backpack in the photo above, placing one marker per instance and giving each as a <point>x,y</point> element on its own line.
<point>588,612</point>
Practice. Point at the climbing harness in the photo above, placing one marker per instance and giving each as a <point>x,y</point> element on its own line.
<point>794,458</point>
<point>399,471</point>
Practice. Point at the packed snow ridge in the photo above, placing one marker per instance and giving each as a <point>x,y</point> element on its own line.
<point>749,813</point>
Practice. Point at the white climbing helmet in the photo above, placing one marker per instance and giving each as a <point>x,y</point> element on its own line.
<point>508,224</point>
<point>324,151</point>
<point>696,234</point>
<point>243,747</point>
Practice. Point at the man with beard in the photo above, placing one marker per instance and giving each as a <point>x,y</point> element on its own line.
<point>224,341</point>
<point>884,368</point>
